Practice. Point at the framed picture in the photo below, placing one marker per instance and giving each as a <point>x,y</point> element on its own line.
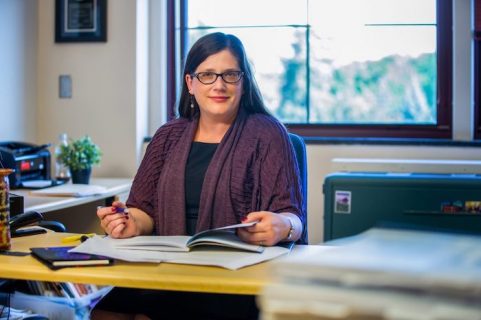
<point>80,20</point>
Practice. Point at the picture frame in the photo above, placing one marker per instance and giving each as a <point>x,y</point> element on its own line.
<point>80,20</point>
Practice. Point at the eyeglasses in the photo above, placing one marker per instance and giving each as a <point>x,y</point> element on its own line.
<point>209,77</point>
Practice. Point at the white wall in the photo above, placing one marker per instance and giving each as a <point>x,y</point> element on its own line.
<point>104,88</point>
<point>18,43</point>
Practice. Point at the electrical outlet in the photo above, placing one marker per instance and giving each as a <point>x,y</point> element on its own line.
<point>65,86</point>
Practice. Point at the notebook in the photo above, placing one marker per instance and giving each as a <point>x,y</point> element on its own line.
<point>60,257</point>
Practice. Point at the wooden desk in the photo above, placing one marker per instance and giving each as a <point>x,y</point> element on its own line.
<point>115,186</point>
<point>77,214</point>
<point>165,276</point>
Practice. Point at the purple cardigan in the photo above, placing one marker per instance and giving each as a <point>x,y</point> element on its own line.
<point>253,169</point>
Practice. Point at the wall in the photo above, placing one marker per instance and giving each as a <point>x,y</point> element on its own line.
<point>18,42</point>
<point>104,101</point>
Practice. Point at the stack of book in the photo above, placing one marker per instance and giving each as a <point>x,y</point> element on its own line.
<point>380,274</point>
<point>60,289</point>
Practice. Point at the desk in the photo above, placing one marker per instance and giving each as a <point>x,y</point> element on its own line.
<point>43,204</point>
<point>77,214</point>
<point>164,276</point>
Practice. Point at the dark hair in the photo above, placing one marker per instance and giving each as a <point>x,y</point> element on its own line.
<point>251,100</point>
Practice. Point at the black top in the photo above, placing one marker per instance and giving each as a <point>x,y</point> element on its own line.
<point>200,155</point>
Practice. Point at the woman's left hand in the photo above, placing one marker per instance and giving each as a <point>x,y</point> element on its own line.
<point>268,231</point>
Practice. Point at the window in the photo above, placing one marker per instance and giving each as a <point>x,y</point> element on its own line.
<point>477,67</point>
<point>372,68</point>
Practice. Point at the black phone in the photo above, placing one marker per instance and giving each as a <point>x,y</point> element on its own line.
<point>25,219</point>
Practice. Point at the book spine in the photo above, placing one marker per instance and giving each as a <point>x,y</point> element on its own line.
<point>72,289</point>
<point>67,290</point>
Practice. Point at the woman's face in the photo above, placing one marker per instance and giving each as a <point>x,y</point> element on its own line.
<point>219,100</point>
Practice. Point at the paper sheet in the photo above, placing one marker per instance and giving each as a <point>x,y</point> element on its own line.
<point>71,190</point>
<point>401,258</point>
<point>213,256</point>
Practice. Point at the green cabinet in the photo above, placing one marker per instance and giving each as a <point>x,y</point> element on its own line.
<point>357,201</point>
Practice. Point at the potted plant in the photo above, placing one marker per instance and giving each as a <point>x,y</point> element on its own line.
<point>79,156</point>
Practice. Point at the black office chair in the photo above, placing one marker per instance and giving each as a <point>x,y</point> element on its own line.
<point>301,156</point>
<point>300,150</point>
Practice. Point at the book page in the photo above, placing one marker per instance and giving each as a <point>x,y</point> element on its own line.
<point>231,227</point>
<point>98,244</point>
<point>159,243</point>
<point>225,238</point>
<point>225,258</point>
<point>213,256</point>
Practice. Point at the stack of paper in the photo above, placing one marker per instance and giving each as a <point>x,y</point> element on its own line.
<point>71,190</point>
<point>381,274</point>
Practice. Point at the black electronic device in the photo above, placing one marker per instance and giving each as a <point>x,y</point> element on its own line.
<point>32,218</point>
<point>17,204</point>
<point>25,219</point>
<point>30,162</point>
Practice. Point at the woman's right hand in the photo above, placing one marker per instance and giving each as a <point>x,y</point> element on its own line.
<point>117,225</point>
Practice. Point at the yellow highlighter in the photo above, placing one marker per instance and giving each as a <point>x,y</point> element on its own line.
<point>77,237</point>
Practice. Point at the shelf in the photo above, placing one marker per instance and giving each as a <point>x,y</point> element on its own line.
<point>426,212</point>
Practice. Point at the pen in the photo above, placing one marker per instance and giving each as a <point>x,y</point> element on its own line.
<point>77,237</point>
<point>117,209</point>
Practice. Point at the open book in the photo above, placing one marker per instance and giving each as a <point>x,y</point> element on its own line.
<point>217,247</point>
<point>224,236</point>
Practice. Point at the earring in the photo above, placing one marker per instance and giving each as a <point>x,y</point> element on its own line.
<point>192,102</point>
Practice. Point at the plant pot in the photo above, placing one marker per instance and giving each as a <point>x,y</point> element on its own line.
<point>81,176</point>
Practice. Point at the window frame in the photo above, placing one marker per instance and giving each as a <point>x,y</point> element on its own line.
<point>477,67</point>
<point>477,93</point>
<point>441,130</point>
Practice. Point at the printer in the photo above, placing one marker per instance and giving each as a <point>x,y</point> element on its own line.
<point>30,162</point>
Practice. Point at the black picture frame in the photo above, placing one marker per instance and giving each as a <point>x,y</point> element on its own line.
<point>80,20</point>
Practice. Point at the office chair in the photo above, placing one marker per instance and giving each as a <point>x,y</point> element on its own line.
<point>300,151</point>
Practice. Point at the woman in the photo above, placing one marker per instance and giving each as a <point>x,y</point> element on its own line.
<point>225,160</point>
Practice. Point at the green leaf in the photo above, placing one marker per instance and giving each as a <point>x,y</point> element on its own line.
<point>80,154</point>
